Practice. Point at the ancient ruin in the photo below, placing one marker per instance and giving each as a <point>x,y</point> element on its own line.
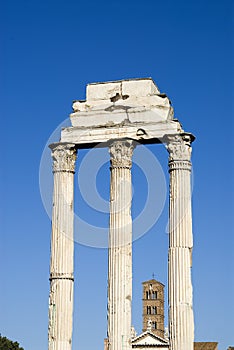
<point>121,115</point>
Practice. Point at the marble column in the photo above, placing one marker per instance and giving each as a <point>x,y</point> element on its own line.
<point>62,248</point>
<point>120,247</point>
<point>181,323</point>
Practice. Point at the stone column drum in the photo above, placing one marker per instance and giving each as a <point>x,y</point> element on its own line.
<point>62,248</point>
<point>120,247</point>
<point>181,323</point>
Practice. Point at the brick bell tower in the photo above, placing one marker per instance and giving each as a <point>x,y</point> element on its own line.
<point>153,307</point>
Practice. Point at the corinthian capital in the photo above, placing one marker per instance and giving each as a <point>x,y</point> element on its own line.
<point>64,157</point>
<point>121,153</point>
<point>179,147</point>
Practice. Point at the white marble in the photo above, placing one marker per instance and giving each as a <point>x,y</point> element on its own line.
<point>123,109</point>
<point>136,131</point>
<point>110,104</point>
<point>181,323</point>
<point>106,90</point>
<point>120,247</point>
<point>62,247</point>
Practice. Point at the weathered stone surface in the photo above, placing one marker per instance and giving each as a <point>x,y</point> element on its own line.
<point>139,87</point>
<point>110,104</point>
<point>136,131</point>
<point>62,247</point>
<point>132,87</point>
<point>181,323</point>
<point>102,91</point>
<point>120,247</point>
<point>118,114</point>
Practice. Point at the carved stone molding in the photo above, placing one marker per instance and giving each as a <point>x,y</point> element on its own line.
<point>121,154</point>
<point>64,157</point>
<point>179,148</point>
<point>61,276</point>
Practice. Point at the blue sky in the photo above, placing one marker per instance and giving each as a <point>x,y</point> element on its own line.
<point>50,50</point>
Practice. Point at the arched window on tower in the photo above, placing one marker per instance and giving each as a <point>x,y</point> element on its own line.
<point>154,295</point>
<point>147,295</point>
<point>154,310</point>
<point>154,325</point>
<point>148,310</point>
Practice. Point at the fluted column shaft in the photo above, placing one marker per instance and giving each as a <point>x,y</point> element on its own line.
<point>120,247</point>
<point>62,249</point>
<point>181,323</point>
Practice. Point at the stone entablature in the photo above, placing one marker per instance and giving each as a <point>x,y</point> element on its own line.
<point>123,109</point>
<point>126,101</point>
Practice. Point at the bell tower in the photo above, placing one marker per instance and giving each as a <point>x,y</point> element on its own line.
<point>153,307</point>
